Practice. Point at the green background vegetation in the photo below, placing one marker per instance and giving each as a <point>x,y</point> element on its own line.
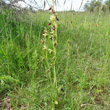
<point>82,65</point>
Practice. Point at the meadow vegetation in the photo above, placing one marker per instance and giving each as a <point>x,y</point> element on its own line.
<point>82,63</point>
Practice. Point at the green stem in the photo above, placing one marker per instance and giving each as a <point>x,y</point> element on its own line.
<point>53,3</point>
<point>55,80</point>
<point>48,67</point>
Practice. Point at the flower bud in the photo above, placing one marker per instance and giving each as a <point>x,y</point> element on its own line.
<point>45,48</point>
<point>50,51</point>
<point>68,41</point>
<point>55,44</point>
<point>51,37</point>
<point>42,41</point>
<point>54,27</point>
<point>54,58</point>
<point>50,8</point>
<point>44,33</point>
<point>51,32</point>
<point>53,11</point>
<point>57,18</point>
<point>50,23</point>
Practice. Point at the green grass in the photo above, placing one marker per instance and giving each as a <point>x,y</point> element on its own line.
<point>82,65</point>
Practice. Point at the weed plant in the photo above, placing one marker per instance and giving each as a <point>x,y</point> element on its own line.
<point>68,70</point>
